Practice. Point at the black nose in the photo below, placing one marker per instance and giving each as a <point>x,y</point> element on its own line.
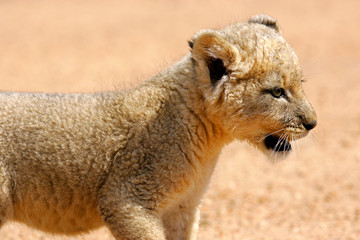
<point>309,125</point>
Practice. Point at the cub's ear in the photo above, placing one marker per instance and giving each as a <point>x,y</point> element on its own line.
<point>265,20</point>
<point>214,56</point>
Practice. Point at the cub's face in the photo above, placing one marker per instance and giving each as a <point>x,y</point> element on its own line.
<point>252,85</point>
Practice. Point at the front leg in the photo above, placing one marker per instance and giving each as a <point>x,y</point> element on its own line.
<point>126,218</point>
<point>182,223</point>
<point>132,222</point>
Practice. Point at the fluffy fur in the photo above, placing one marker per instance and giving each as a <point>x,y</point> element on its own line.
<point>139,161</point>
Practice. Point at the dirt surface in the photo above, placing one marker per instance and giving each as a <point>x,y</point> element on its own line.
<point>82,46</point>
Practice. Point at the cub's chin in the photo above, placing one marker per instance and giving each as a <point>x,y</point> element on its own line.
<point>275,147</point>
<point>277,144</point>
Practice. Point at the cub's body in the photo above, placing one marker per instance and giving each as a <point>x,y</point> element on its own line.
<point>139,161</point>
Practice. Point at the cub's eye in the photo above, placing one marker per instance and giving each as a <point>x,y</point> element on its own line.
<point>277,92</point>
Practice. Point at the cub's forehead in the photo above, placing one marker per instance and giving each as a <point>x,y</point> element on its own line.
<point>251,37</point>
<point>250,31</point>
<point>283,77</point>
<point>265,49</point>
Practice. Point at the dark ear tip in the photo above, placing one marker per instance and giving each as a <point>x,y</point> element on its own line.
<point>265,20</point>
<point>191,44</point>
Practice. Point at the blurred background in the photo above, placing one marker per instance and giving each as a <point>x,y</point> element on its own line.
<point>89,46</point>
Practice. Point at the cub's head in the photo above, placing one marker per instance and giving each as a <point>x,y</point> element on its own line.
<point>251,83</point>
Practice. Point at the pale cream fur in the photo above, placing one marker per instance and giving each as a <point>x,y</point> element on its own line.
<point>139,161</point>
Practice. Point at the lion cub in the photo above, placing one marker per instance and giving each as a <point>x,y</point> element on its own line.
<point>139,161</point>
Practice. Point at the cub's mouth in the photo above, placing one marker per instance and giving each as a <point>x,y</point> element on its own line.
<point>277,144</point>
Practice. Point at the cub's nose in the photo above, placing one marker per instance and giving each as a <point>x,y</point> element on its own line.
<point>309,125</point>
<point>309,119</point>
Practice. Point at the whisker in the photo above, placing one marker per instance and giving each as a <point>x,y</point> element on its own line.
<point>292,140</point>
<point>282,129</point>
<point>289,142</point>
<point>297,144</point>
<point>313,136</point>
<point>274,153</point>
<point>285,140</point>
<point>279,142</point>
<point>274,156</point>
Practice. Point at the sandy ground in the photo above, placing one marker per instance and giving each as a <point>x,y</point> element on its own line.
<point>82,46</point>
